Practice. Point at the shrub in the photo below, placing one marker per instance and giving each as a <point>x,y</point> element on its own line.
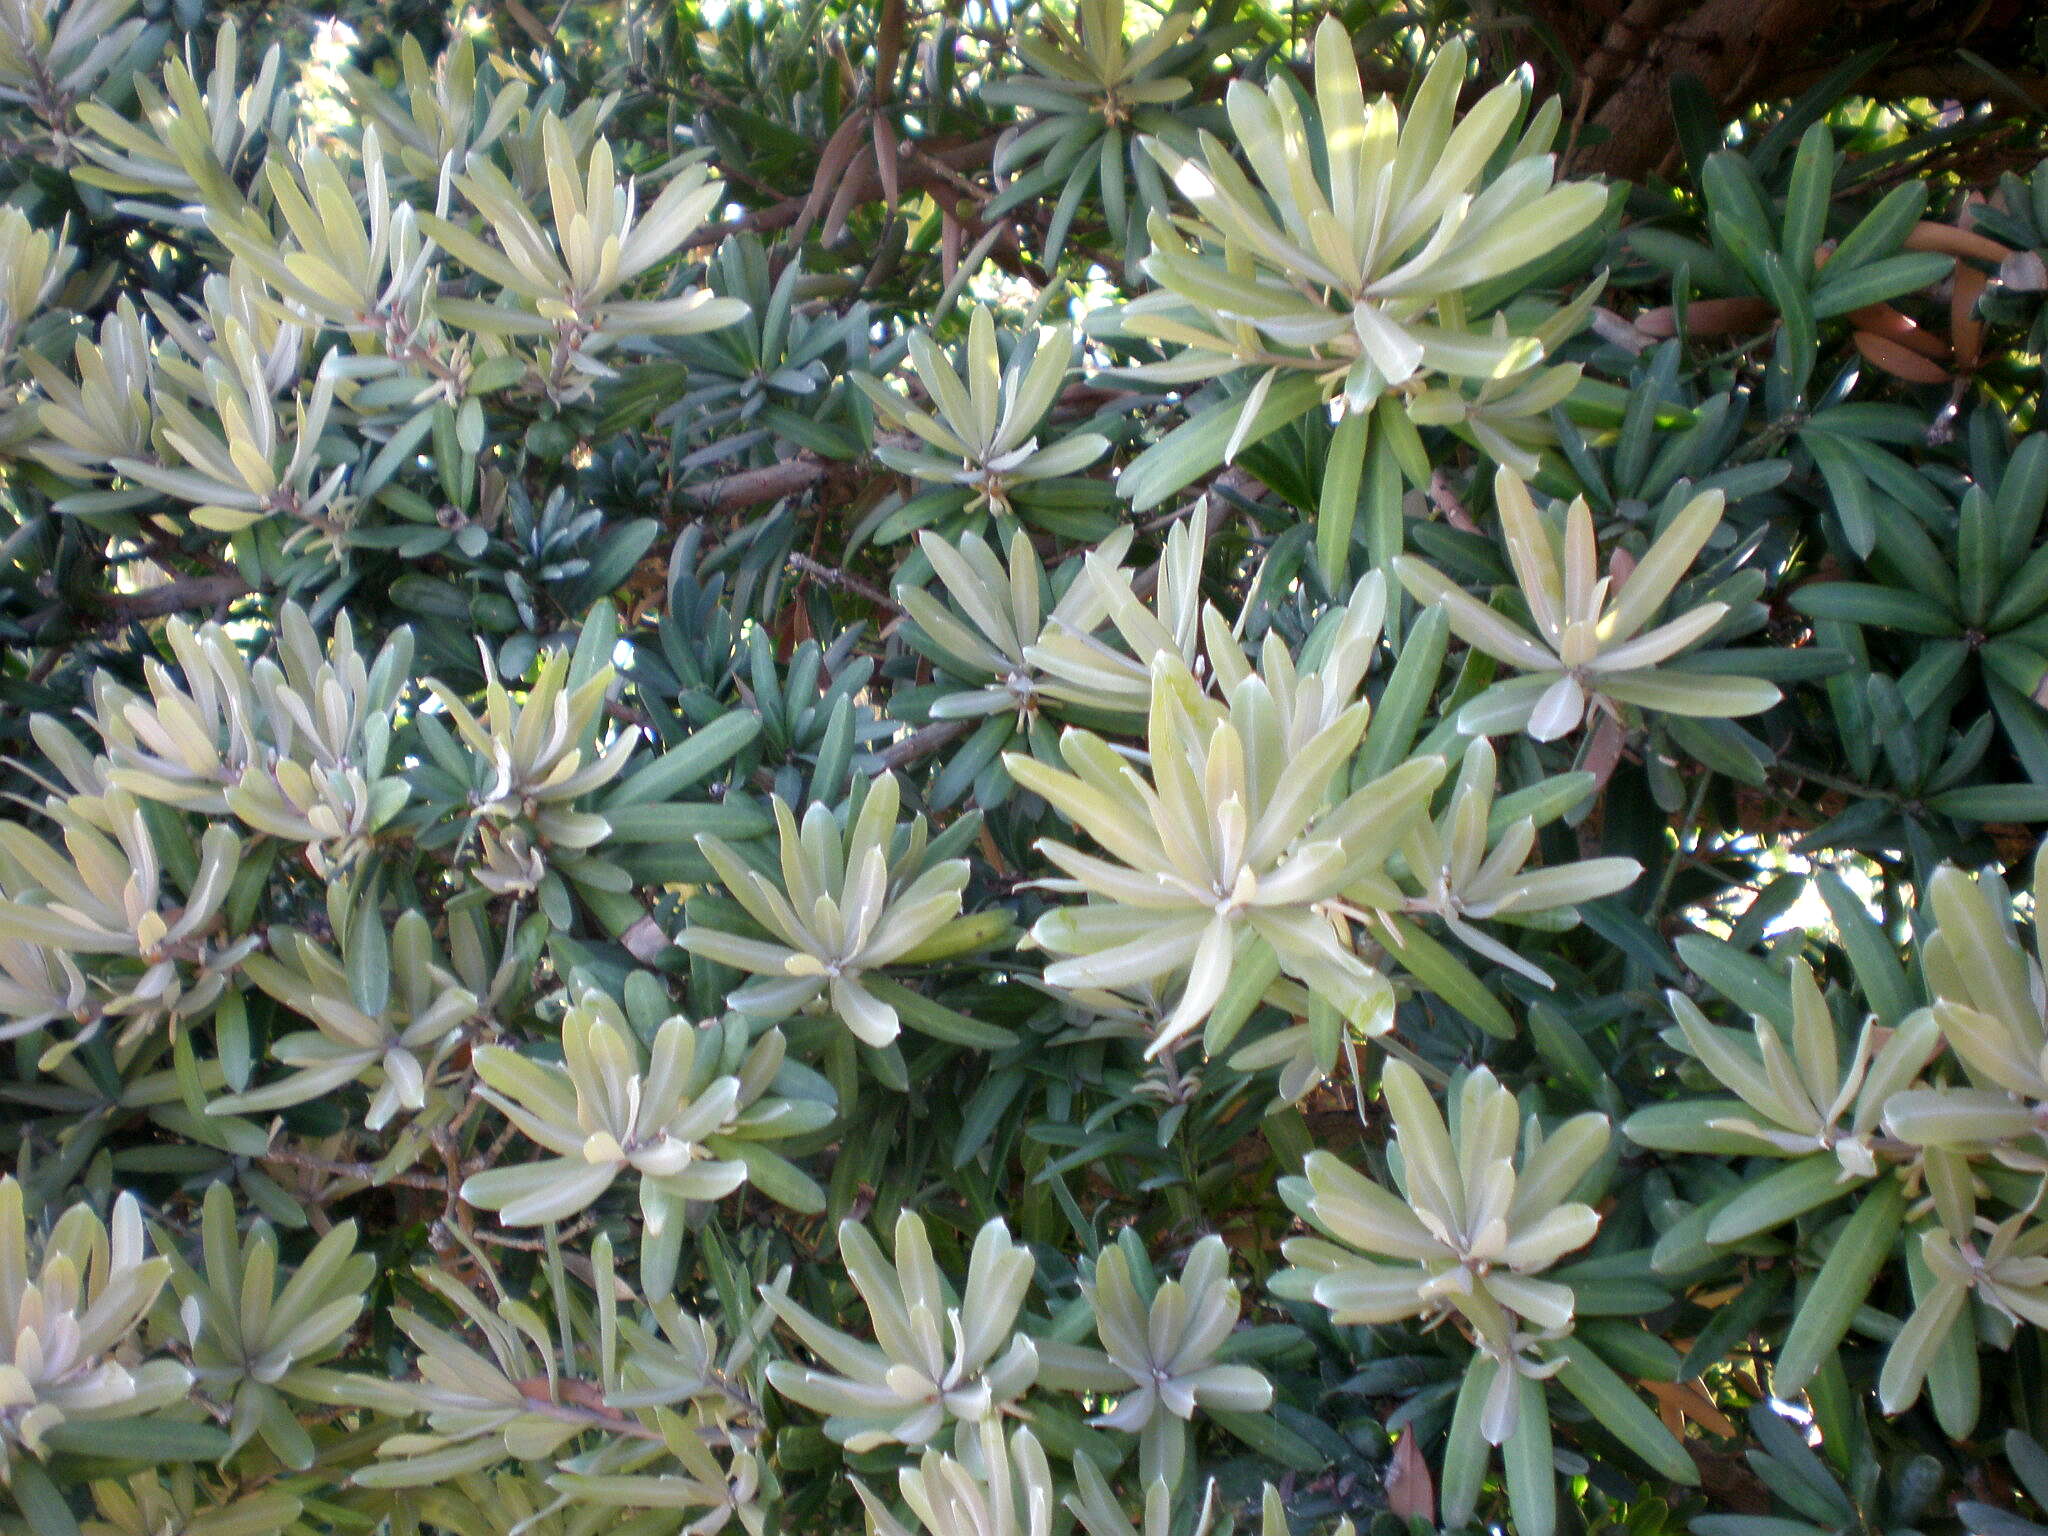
<point>1005,772</point>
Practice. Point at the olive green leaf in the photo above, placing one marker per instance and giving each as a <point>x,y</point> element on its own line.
<point>191,149</point>
<point>1455,870</point>
<point>294,747</point>
<point>397,1050</point>
<point>65,52</point>
<point>105,899</point>
<point>1164,1349</point>
<point>445,111</point>
<point>1097,91</point>
<point>854,896</point>
<point>1479,1217</point>
<point>34,264</point>
<point>939,1355</point>
<point>1095,1504</point>
<point>531,760</point>
<point>1591,651</point>
<point>1240,834</point>
<point>105,414</point>
<point>992,1489</point>
<point>1801,1097</point>
<point>1001,615</point>
<point>625,1412</point>
<point>174,1499</point>
<point>1080,666</point>
<point>983,430</point>
<point>1345,253</point>
<point>364,273</point>
<point>1985,981</point>
<point>221,441</point>
<point>70,1309</point>
<point>2002,1265</point>
<point>251,1339</point>
<point>567,275</point>
<point>675,1124</point>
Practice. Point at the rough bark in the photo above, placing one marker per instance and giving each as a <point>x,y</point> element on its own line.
<point>1737,49</point>
<point>172,597</point>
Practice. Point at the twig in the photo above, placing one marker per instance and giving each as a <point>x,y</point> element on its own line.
<point>755,487</point>
<point>365,1172</point>
<point>570,1233</point>
<point>832,576</point>
<point>919,743</point>
<point>1679,855</point>
<point>867,186</point>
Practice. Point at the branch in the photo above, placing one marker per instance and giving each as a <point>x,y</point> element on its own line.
<point>172,597</point>
<point>754,487</point>
<point>845,581</point>
<point>928,170</point>
<point>921,742</point>
<point>364,1173</point>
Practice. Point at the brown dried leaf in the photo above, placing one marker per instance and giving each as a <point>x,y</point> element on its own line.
<point>1900,362</point>
<point>1883,321</point>
<point>1411,1492</point>
<point>833,160</point>
<point>951,238</point>
<point>1963,323</point>
<point>1685,1399</point>
<point>886,155</point>
<point>1951,241</point>
<point>1707,317</point>
<point>645,940</point>
<point>841,209</point>
<point>888,48</point>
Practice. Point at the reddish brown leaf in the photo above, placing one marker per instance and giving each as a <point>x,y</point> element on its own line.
<point>1707,317</point>
<point>1411,1492</point>
<point>887,153</point>
<point>1686,1399</point>
<point>1963,323</point>
<point>1950,241</point>
<point>1900,362</point>
<point>1883,321</point>
<point>833,160</point>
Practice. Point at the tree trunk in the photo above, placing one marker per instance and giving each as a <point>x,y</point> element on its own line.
<point>1737,49</point>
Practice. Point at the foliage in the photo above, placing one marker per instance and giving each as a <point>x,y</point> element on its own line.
<point>1016,770</point>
